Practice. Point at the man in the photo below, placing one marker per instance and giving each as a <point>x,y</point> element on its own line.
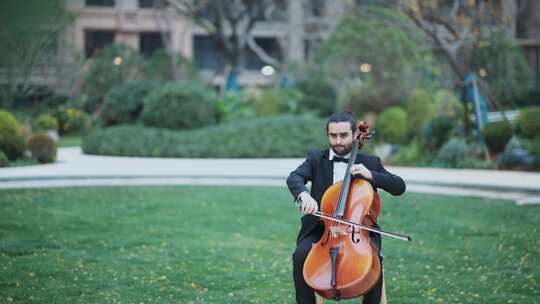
<point>324,168</point>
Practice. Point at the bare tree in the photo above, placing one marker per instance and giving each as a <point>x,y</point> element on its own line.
<point>454,28</point>
<point>29,34</point>
<point>458,28</point>
<point>164,20</point>
<point>230,24</point>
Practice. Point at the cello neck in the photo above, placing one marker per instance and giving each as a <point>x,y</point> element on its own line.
<point>346,184</point>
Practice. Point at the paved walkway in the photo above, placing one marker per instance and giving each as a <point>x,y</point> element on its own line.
<point>76,169</point>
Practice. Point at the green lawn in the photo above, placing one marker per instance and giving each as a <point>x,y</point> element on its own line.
<point>234,245</point>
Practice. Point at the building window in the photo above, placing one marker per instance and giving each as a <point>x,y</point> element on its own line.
<point>95,41</point>
<point>307,49</point>
<point>100,3</point>
<point>148,3</point>
<point>269,45</point>
<point>149,42</point>
<point>206,54</point>
<point>317,8</point>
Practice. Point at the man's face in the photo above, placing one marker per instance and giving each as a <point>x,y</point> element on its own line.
<point>340,137</point>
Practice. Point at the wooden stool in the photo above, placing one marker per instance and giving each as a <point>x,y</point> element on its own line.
<point>320,300</point>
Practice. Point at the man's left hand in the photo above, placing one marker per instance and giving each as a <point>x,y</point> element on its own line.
<point>360,170</point>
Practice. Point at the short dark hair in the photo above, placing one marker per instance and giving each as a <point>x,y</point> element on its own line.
<point>342,117</point>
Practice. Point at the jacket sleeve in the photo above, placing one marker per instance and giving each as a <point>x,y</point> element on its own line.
<point>298,178</point>
<point>387,181</point>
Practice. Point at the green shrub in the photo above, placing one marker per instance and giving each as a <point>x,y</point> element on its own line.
<point>419,110</point>
<point>276,136</point>
<point>11,138</point>
<point>528,122</point>
<point>362,96</point>
<point>4,161</point>
<point>45,122</point>
<point>386,40</point>
<point>456,153</point>
<point>124,103</point>
<point>266,102</point>
<point>233,106</point>
<point>515,156</point>
<point>410,155</point>
<point>290,100</point>
<point>252,102</point>
<point>179,106</point>
<point>448,105</point>
<point>318,95</point>
<point>72,120</point>
<point>496,135</point>
<point>162,67</point>
<point>533,147</point>
<point>391,125</point>
<point>509,76</point>
<point>273,101</point>
<point>47,104</point>
<point>531,98</point>
<point>436,132</point>
<point>103,74</point>
<point>42,147</point>
<point>453,153</point>
<point>55,101</point>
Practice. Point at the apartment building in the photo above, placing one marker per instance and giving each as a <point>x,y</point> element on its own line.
<point>140,25</point>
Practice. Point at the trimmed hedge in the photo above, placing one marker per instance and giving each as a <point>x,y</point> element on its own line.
<point>496,135</point>
<point>277,136</point>
<point>42,147</point>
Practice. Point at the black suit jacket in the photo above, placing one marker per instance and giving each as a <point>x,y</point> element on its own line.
<point>318,169</point>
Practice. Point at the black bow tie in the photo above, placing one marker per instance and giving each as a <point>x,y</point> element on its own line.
<point>340,159</point>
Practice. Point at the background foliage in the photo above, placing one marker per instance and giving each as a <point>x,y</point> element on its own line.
<point>386,40</point>
<point>179,106</point>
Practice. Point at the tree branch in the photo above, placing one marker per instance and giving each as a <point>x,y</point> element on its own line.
<point>262,54</point>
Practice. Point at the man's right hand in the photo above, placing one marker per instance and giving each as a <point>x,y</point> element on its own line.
<point>309,205</point>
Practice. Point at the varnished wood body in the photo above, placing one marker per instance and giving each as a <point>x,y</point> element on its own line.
<point>357,265</point>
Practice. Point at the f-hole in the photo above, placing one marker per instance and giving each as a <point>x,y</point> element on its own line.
<point>354,240</point>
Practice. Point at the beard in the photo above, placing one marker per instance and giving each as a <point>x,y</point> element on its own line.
<point>342,150</point>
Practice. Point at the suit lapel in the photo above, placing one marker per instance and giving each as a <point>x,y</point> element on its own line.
<point>327,169</point>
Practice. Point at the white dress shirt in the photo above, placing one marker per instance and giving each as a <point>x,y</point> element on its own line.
<point>339,167</point>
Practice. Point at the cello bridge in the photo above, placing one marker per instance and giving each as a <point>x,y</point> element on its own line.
<point>338,230</point>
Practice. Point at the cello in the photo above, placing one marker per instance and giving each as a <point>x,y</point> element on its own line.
<point>344,263</point>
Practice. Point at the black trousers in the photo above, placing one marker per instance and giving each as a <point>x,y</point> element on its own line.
<point>304,293</point>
